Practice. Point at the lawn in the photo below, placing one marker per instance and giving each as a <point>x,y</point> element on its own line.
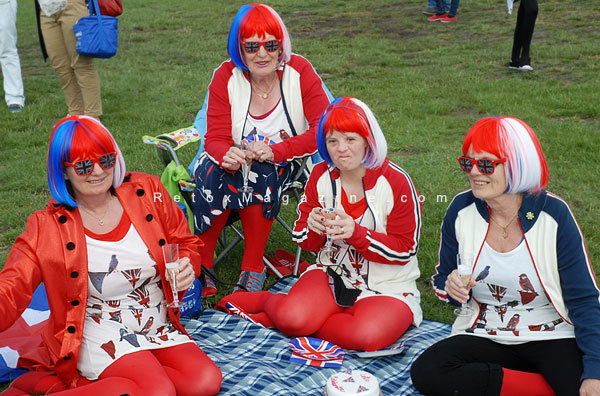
<point>426,82</point>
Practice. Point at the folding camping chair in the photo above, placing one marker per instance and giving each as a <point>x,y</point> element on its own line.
<point>180,185</point>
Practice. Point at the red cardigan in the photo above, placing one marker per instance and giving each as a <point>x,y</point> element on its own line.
<point>53,250</point>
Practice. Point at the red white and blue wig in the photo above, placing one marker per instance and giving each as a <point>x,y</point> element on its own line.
<point>525,168</point>
<point>351,115</point>
<point>259,20</point>
<point>77,138</point>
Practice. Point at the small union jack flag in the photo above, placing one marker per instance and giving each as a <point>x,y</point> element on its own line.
<point>315,352</point>
<point>235,310</point>
<point>498,292</point>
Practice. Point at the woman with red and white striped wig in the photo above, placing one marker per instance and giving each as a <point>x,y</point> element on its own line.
<point>530,321</point>
<point>271,99</point>
<point>361,295</point>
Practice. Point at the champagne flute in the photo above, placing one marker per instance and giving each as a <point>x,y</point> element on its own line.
<point>246,167</point>
<point>464,272</point>
<point>171,255</point>
<point>328,247</point>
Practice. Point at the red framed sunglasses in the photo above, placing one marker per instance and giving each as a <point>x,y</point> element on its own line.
<point>485,166</point>
<point>252,47</point>
<point>85,167</point>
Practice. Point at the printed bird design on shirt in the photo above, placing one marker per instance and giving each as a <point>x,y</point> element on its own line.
<point>483,274</point>
<point>283,135</point>
<point>113,263</point>
<point>528,294</point>
<point>129,337</point>
<point>512,323</point>
<point>146,329</point>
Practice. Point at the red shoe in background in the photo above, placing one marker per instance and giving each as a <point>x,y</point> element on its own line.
<point>436,17</point>
<point>448,19</point>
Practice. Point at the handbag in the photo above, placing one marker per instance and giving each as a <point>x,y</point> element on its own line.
<point>112,8</point>
<point>97,35</point>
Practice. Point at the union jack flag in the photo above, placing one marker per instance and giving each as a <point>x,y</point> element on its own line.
<point>498,292</point>
<point>141,295</point>
<point>315,352</point>
<point>133,275</point>
<point>233,309</point>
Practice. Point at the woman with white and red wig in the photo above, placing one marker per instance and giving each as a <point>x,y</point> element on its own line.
<point>97,247</point>
<point>270,99</point>
<point>363,295</point>
<point>532,325</point>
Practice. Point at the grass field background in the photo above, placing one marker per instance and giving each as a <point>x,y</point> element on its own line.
<point>426,82</point>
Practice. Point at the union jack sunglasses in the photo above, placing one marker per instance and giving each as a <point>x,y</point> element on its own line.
<point>252,47</point>
<point>485,166</point>
<point>85,167</point>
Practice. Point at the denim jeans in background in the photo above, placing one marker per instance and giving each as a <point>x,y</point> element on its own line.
<point>433,4</point>
<point>442,6</point>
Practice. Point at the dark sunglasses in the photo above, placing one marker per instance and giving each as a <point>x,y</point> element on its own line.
<point>85,167</point>
<point>485,166</point>
<point>252,47</point>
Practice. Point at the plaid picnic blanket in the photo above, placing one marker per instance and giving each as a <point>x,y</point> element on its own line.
<point>256,361</point>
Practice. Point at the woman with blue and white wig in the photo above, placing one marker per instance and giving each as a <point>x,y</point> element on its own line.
<point>530,317</point>
<point>362,294</point>
<point>263,107</point>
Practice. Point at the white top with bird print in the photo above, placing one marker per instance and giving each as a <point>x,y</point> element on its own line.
<point>126,306</point>
<point>514,307</point>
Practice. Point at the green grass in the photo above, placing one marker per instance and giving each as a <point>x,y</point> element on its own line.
<point>426,82</point>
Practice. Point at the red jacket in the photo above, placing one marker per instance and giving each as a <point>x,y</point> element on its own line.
<point>53,250</point>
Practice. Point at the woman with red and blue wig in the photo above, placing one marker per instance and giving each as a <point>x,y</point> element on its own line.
<point>269,100</point>
<point>531,321</point>
<point>362,295</point>
<point>97,248</point>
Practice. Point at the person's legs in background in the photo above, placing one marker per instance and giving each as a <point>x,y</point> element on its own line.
<point>432,7</point>
<point>9,57</point>
<point>526,17</point>
<point>83,66</point>
<point>77,75</point>
<point>453,11</point>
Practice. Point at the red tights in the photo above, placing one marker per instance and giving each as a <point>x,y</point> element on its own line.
<point>179,370</point>
<point>256,233</point>
<point>310,309</point>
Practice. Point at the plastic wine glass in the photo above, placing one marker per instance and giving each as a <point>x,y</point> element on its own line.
<point>328,247</point>
<point>246,167</point>
<point>171,255</point>
<point>464,273</point>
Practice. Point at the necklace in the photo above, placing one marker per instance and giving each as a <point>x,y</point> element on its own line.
<point>504,228</point>
<point>101,218</point>
<point>264,94</point>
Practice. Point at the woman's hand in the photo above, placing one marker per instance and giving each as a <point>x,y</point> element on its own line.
<point>590,387</point>
<point>456,288</point>
<point>342,227</point>
<point>186,274</point>
<point>262,152</point>
<point>233,159</point>
<point>315,221</point>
